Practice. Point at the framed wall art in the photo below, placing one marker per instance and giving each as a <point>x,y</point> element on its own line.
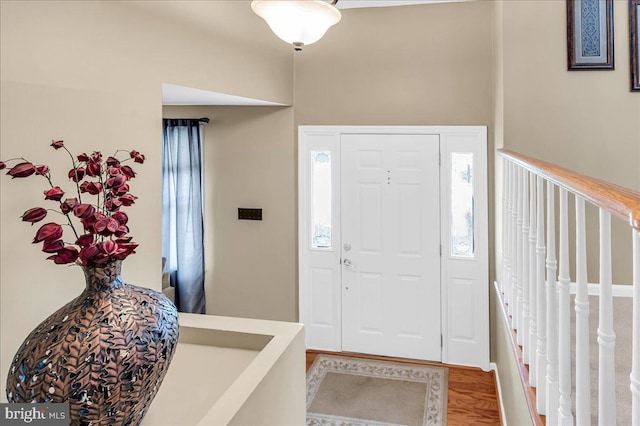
<point>634,43</point>
<point>590,34</point>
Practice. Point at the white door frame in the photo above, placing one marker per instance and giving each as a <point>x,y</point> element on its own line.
<point>464,281</point>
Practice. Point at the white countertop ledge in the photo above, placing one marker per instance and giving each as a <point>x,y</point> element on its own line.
<point>219,364</point>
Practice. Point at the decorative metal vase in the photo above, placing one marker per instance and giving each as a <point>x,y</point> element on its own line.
<point>105,352</point>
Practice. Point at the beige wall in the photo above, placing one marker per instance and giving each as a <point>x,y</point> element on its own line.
<point>587,121</point>
<point>435,85</point>
<point>91,73</point>
<point>249,265</point>
<point>498,119</point>
<point>416,65</point>
<point>427,64</point>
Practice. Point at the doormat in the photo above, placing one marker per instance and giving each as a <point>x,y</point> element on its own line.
<point>345,391</point>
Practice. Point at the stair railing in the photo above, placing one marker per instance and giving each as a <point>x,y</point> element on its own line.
<point>535,285</point>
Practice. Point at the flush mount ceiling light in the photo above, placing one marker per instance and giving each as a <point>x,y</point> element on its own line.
<point>298,22</point>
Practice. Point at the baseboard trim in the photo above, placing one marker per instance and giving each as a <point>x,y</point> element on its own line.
<point>494,367</point>
<point>593,289</point>
<point>618,290</point>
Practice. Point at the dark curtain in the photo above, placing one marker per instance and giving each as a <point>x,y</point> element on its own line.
<point>182,214</point>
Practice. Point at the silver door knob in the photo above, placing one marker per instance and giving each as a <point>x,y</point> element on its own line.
<point>347,262</point>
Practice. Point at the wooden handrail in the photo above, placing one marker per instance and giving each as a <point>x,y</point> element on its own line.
<point>620,201</point>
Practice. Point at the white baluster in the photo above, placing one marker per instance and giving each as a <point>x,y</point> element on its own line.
<point>525,267</point>
<point>505,228</point>
<point>583,378</point>
<point>541,352</point>
<point>565,417</point>
<point>552,311</point>
<point>512,245</point>
<point>606,335</point>
<point>533,306</point>
<point>507,236</point>
<point>635,362</point>
<point>519,301</point>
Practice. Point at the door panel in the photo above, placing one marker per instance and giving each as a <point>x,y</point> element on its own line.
<point>465,259</point>
<point>370,197</point>
<point>319,240</point>
<point>410,219</point>
<point>391,245</point>
<point>370,303</point>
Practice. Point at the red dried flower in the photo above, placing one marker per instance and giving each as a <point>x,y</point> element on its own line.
<point>67,205</point>
<point>128,172</point>
<point>113,204</point>
<point>93,168</point>
<point>65,255</point>
<point>93,188</point>
<point>137,157</point>
<point>84,211</point>
<point>116,182</point>
<point>125,249</point>
<point>48,232</point>
<point>100,259</point>
<point>121,190</point>
<point>121,217</point>
<point>111,161</point>
<point>85,240</point>
<point>54,194</point>
<point>96,157</point>
<point>88,226</point>
<point>21,170</point>
<point>52,246</point>
<point>111,180</point>
<point>34,215</point>
<point>87,254</point>
<point>106,226</point>
<point>42,170</point>
<point>108,247</point>
<point>128,199</point>
<point>77,174</point>
<point>121,231</point>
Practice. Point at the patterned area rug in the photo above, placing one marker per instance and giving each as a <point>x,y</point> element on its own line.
<point>343,391</point>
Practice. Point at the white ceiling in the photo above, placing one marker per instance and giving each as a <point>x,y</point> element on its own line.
<point>351,4</point>
<point>180,95</point>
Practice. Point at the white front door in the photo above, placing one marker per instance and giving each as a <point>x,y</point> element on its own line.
<point>390,245</point>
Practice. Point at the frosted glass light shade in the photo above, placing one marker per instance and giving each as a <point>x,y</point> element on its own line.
<point>298,22</point>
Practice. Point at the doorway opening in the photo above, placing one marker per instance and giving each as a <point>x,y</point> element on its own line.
<point>393,241</point>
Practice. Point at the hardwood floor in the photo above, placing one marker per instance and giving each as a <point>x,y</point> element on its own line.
<point>472,398</point>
